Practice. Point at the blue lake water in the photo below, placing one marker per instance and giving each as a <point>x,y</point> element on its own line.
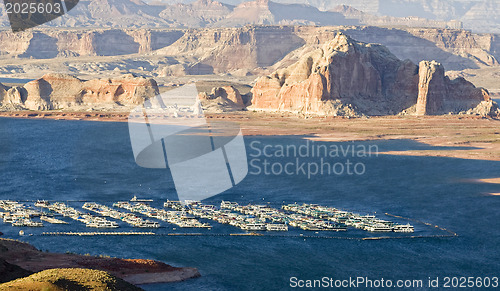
<point>80,160</point>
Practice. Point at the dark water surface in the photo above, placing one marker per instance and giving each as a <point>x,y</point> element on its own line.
<point>80,160</point>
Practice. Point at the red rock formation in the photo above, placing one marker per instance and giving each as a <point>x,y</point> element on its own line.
<point>52,91</point>
<point>221,99</point>
<point>431,87</point>
<point>230,93</point>
<point>221,50</point>
<point>125,90</point>
<point>345,77</point>
<point>343,69</point>
<point>437,94</point>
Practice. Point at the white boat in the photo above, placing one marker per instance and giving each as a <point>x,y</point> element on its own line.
<point>277,227</point>
<point>147,223</point>
<point>228,205</point>
<point>254,226</point>
<point>403,228</point>
<point>379,227</point>
<point>135,199</point>
<point>42,203</point>
<point>52,220</point>
<point>102,224</point>
<point>26,222</point>
<point>8,219</point>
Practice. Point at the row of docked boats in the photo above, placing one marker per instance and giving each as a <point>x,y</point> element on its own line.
<point>364,222</point>
<point>311,217</point>
<point>86,218</point>
<point>129,218</point>
<point>227,216</point>
<point>180,218</point>
<point>304,222</point>
<point>18,214</point>
<point>251,217</point>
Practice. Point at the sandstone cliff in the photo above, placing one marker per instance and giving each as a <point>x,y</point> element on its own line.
<point>222,99</point>
<point>227,49</point>
<point>456,49</point>
<point>346,77</point>
<point>437,94</point>
<point>60,91</point>
<point>239,51</point>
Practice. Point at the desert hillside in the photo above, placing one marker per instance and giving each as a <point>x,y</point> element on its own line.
<point>70,279</point>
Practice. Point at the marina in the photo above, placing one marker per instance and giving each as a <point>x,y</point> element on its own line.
<point>18,214</point>
<point>250,218</point>
<point>129,218</point>
<point>67,211</point>
<point>180,218</point>
<point>340,217</point>
<point>310,217</point>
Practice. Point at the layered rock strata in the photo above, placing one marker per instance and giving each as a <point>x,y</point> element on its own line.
<point>350,78</point>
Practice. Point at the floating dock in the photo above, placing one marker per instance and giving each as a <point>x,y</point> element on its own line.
<point>93,233</point>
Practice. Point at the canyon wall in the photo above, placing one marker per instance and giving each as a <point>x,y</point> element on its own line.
<point>52,43</point>
<point>229,49</point>
<point>250,48</point>
<point>438,94</point>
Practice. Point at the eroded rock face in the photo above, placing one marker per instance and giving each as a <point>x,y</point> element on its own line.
<point>230,93</point>
<point>52,91</point>
<point>431,87</point>
<point>342,70</point>
<point>222,99</point>
<point>61,91</point>
<point>345,77</point>
<point>125,90</point>
<point>437,94</point>
<point>221,50</point>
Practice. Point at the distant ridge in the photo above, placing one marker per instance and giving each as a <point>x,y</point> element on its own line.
<point>481,16</point>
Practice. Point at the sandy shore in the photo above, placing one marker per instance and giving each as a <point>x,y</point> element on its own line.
<point>68,115</point>
<point>490,181</point>
<point>494,181</point>
<point>165,277</point>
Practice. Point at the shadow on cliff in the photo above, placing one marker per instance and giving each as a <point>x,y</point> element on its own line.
<point>408,46</point>
<point>41,46</point>
<point>115,42</point>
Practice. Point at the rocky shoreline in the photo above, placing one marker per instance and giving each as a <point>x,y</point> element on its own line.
<point>134,271</point>
<point>68,115</point>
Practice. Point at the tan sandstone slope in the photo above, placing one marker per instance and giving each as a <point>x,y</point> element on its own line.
<point>70,279</point>
<point>346,77</point>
